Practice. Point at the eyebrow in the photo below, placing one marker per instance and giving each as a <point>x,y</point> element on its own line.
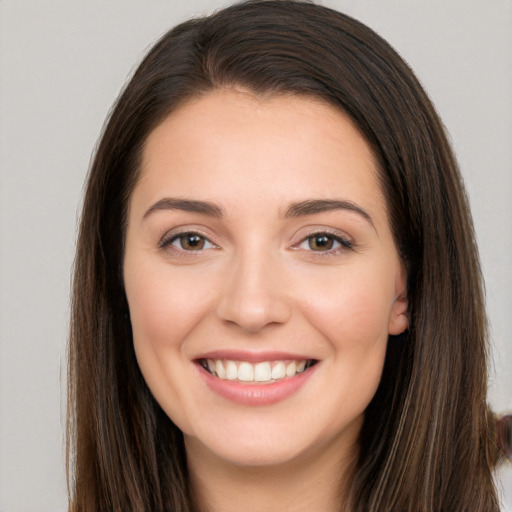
<point>187,205</point>
<point>297,209</point>
<point>312,206</point>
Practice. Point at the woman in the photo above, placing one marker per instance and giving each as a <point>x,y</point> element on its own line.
<point>277,296</point>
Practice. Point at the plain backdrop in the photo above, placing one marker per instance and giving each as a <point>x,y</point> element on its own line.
<point>62,65</point>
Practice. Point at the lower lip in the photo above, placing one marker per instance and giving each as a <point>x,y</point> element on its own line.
<point>256,394</point>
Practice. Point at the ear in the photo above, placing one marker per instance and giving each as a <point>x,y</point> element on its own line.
<point>399,318</point>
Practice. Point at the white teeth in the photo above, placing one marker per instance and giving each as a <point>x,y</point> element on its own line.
<point>245,372</point>
<point>265,371</point>
<point>301,366</point>
<point>219,369</point>
<point>262,372</point>
<point>279,371</point>
<point>231,370</point>
<point>291,369</point>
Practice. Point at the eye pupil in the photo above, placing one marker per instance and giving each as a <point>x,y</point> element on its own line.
<point>321,242</point>
<point>192,242</point>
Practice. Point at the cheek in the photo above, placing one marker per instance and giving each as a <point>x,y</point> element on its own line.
<point>353,310</point>
<point>163,305</point>
<point>351,313</point>
<point>164,309</point>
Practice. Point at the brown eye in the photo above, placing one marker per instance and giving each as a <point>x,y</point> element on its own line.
<point>187,241</point>
<point>321,242</point>
<point>191,241</point>
<point>325,242</point>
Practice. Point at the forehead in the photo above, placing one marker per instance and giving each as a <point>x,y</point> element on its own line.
<point>231,143</point>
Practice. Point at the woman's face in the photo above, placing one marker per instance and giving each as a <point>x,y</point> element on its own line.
<point>261,276</point>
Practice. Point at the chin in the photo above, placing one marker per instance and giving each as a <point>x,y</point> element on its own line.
<point>272,445</point>
<point>246,453</point>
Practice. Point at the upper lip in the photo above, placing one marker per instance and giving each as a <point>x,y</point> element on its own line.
<point>253,356</point>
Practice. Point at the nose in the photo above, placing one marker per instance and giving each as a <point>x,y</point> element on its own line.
<point>254,295</point>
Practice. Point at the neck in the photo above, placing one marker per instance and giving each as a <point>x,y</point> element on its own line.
<point>317,481</point>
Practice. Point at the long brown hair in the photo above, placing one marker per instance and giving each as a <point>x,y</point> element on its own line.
<point>426,443</point>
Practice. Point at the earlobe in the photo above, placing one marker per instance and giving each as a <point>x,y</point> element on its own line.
<point>399,318</point>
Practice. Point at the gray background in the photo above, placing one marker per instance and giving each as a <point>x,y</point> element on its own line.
<point>62,65</point>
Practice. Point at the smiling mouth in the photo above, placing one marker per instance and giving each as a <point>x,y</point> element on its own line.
<point>262,372</point>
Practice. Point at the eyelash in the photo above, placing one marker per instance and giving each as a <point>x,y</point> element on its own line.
<point>344,244</point>
<point>169,240</point>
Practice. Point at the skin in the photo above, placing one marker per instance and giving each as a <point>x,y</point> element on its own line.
<point>260,283</point>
